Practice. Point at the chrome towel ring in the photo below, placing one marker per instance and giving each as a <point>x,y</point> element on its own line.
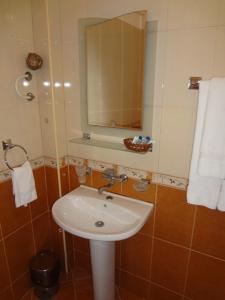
<point>7,146</point>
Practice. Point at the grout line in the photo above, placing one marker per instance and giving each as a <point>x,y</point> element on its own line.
<point>40,215</point>
<point>208,255</point>
<point>6,288</point>
<point>46,187</point>
<point>1,233</point>
<point>20,276</point>
<point>25,224</point>
<point>165,288</point>
<point>74,289</point>
<point>189,253</point>
<point>7,266</point>
<point>171,243</point>
<point>188,248</point>
<point>32,229</point>
<point>134,275</point>
<point>17,229</point>
<point>69,177</point>
<point>118,292</point>
<point>152,236</point>
<point>27,293</point>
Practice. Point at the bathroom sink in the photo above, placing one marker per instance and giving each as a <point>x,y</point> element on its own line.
<point>105,217</point>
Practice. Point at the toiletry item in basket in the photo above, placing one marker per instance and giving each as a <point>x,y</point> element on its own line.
<point>137,139</point>
<point>142,139</point>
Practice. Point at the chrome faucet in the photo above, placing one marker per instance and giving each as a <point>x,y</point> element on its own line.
<point>110,175</point>
<point>105,187</point>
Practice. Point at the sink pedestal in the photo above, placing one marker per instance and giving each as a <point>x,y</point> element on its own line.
<point>103,269</point>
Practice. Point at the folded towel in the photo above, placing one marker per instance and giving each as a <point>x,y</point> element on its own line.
<point>212,149</point>
<point>221,202</point>
<point>201,190</point>
<point>23,185</point>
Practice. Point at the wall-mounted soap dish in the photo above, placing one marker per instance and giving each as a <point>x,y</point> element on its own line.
<point>142,186</point>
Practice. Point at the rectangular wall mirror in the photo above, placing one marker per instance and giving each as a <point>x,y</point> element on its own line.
<point>115,52</point>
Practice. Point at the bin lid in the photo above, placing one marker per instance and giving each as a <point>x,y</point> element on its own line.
<point>44,260</point>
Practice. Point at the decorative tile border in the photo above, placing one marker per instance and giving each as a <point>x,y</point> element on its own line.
<point>132,173</point>
<point>176,182</point>
<point>167,180</point>
<point>52,162</point>
<point>75,161</point>
<point>179,183</point>
<point>5,175</point>
<point>99,166</point>
<point>35,163</point>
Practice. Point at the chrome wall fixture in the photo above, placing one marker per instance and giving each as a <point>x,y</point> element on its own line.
<point>193,83</point>
<point>7,146</point>
<point>27,77</point>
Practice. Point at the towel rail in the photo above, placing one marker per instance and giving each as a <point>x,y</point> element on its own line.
<point>7,146</point>
<point>193,83</point>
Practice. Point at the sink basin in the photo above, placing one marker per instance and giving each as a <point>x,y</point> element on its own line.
<point>107,217</point>
<point>103,219</point>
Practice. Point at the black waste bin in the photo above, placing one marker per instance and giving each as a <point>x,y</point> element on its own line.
<point>44,272</point>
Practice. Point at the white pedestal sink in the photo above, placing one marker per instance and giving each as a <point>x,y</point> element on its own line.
<point>103,219</point>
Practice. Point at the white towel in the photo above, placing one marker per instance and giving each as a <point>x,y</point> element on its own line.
<point>23,185</point>
<point>221,202</point>
<point>201,190</point>
<point>212,149</point>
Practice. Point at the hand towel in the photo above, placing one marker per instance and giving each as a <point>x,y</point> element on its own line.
<point>221,202</point>
<point>201,190</point>
<point>212,149</point>
<point>23,185</point>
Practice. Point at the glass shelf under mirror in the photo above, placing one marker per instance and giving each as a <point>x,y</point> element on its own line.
<point>104,144</point>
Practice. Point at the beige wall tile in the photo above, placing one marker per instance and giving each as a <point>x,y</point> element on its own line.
<point>176,141</point>
<point>189,53</point>
<point>187,49</point>
<point>219,58</point>
<point>191,14</point>
<point>222,12</point>
<point>19,119</point>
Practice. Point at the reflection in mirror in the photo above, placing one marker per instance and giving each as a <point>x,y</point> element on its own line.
<point>115,70</point>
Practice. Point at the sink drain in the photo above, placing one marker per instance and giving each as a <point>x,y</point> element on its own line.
<point>99,224</point>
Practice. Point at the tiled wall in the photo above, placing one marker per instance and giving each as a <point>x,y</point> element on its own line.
<point>19,118</point>
<point>188,40</point>
<point>23,232</point>
<point>178,254</point>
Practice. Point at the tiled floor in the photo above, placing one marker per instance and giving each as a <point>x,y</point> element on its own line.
<point>78,286</point>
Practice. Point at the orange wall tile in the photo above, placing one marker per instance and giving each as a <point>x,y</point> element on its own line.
<point>11,217</point>
<point>176,228</point>
<point>206,278</point>
<point>4,274</point>
<point>7,294</point>
<point>174,217</point>
<point>19,249</point>
<point>169,265</point>
<point>159,293</point>
<point>136,255</point>
<point>159,272</point>
<point>52,185</point>
<point>23,231</point>
<point>209,233</point>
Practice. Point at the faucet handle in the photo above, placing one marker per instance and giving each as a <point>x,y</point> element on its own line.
<point>123,177</point>
<point>109,173</point>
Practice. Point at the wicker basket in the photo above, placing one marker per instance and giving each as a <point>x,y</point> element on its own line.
<point>136,147</point>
